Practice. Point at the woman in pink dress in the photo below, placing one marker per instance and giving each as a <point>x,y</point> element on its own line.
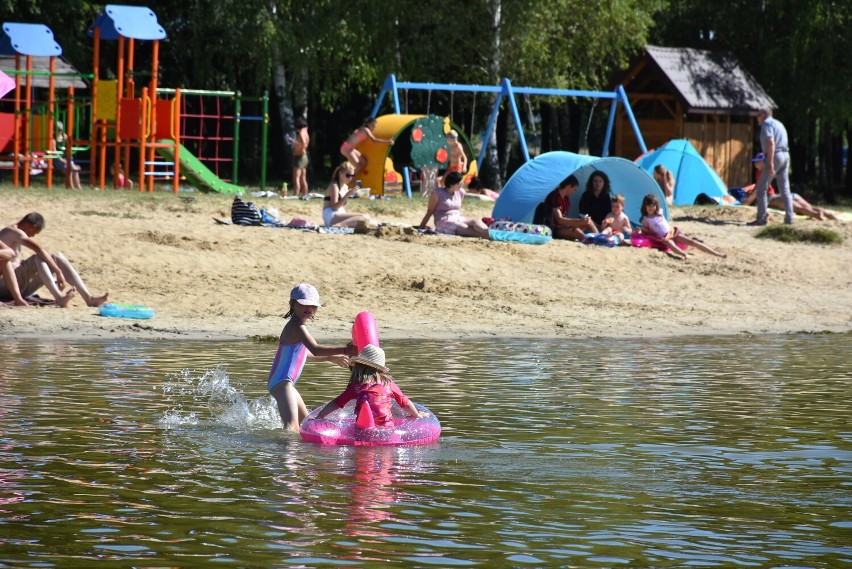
<point>445,205</point>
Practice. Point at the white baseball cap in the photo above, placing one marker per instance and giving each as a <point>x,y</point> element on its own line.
<point>306,294</point>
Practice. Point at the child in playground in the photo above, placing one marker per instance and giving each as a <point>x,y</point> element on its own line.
<point>349,149</point>
<point>119,180</point>
<point>64,164</point>
<point>294,347</point>
<point>617,223</point>
<point>20,278</point>
<point>458,159</point>
<point>656,226</point>
<point>370,383</point>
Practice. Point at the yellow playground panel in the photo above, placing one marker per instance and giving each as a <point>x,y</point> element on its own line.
<point>387,126</point>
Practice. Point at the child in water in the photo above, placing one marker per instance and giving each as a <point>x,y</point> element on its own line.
<point>294,347</point>
<point>370,383</point>
<point>655,225</point>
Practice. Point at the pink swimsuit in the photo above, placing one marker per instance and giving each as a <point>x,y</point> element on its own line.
<point>288,364</point>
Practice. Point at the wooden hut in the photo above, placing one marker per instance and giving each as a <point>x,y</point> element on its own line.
<point>706,97</point>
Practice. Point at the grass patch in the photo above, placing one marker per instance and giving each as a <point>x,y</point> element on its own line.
<point>266,339</point>
<point>793,234</point>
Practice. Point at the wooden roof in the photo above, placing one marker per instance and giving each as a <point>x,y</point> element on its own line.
<point>704,81</point>
<point>7,64</point>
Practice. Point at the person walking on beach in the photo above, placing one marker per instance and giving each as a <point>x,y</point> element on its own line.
<point>294,348</point>
<point>776,149</point>
<point>21,278</point>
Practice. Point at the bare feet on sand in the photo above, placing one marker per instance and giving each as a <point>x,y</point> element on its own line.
<point>63,301</point>
<point>98,300</point>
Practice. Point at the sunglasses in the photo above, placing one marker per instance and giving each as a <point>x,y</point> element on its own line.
<point>349,174</point>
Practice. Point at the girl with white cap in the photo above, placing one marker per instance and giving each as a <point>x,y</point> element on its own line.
<point>370,383</point>
<point>294,347</point>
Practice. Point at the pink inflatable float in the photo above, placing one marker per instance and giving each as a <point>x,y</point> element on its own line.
<point>342,427</point>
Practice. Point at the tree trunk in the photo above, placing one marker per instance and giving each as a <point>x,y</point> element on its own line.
<point>285,111</point>
<point>848,186</point>
<point>547,130</point>
<point>491,167</point>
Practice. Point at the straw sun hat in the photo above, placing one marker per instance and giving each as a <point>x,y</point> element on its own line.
<point>372,356</point>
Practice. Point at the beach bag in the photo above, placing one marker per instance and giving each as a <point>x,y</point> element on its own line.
<point>244,213</point>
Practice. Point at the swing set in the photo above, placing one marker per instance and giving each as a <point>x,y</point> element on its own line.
<point>506,89</point>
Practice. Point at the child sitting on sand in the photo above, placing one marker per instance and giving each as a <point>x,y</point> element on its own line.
<point>370,383</point>
<point>617,223</point>
<point>655,225</point>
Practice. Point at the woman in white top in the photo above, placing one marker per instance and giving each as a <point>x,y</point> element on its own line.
<point>336,195</point>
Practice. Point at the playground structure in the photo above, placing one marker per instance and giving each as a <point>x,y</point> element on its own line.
<point>504,89</point>
<point>210,124</point>
<point>29,135</point>
<point>133,134</point>
<point>418,141</point>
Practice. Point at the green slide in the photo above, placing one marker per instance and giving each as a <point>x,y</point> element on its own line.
<point>197,174</point>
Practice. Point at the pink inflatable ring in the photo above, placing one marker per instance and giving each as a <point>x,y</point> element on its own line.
<point>338,428</point>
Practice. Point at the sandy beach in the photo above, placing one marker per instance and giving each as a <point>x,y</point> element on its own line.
<point>211,281</point>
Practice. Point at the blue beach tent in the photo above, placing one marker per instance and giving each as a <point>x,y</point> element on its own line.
<point>693,175</point>
<point>531,183</point>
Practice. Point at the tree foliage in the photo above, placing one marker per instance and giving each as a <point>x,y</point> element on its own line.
<point>335,55</point>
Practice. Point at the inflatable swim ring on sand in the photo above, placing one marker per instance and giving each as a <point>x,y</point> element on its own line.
<point>520,232</point>
<point>340,428</point>
<point>126,311</point>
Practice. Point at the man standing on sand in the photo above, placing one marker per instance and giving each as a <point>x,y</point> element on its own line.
<point>20,278</point>
<point>776,149</point>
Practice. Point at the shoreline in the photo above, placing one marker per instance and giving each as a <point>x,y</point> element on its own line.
<point>214,282</point>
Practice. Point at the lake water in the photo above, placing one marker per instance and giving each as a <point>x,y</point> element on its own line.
<point>729,452</point>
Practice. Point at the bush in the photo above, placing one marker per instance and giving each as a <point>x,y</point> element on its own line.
<point>792,234</point>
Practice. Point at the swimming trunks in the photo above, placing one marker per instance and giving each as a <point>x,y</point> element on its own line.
<point>288,364</point>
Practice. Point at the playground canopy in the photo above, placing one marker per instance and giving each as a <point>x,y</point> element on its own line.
<point>693,175</point>
<point>531,183</point>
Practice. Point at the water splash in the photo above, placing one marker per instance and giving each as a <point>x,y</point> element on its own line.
<point>209,399</point>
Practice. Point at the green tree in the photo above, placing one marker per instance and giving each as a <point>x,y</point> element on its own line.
<point>799,52</point>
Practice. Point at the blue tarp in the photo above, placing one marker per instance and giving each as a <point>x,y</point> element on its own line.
<point>531,183</point>
<point>693,175</point>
